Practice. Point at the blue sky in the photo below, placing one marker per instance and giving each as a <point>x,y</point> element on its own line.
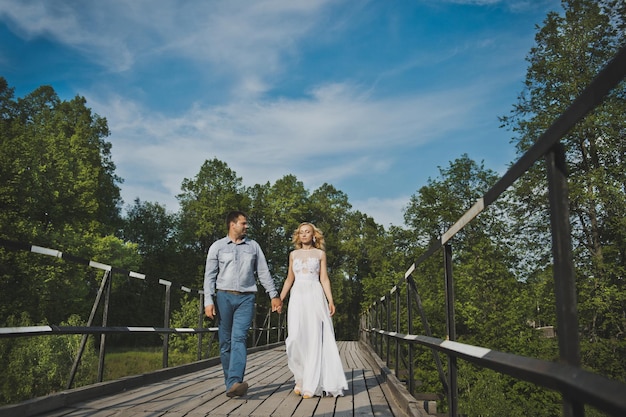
<point>369,96</point>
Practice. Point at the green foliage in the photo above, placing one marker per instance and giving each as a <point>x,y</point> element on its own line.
<point>485,291</point>
<point>370,265</point>
<point>188,316</point>
<point>276,211</point>
<point>483,392</point>
<point>37,366</point>
<point>151,227</point>
<point>206,200</point>
<point>155,231</point>
<point>571,48</point>
<point>56,172</point>
<point>57,189</point>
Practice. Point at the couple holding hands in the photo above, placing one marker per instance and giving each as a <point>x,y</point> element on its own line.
<point>230,291</point>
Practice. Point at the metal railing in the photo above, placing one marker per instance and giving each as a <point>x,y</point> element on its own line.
<point>577,386</point>
<point>273,332</point>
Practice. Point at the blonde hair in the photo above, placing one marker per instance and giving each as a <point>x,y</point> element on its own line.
<point>318,237</point>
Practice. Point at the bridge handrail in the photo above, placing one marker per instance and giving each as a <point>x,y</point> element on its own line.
<point>591,388</point>
<point>7,332</point>
<point>42,250</point>
<point>26,331</point>
<point>610,397</point>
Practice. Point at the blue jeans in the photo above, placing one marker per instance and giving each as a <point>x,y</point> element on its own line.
<point>235,317</point>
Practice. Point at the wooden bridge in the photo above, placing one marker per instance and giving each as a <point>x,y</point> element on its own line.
<point>198,389</point>
<point>183,391</point>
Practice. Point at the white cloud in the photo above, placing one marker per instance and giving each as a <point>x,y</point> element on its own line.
<point>385,212</point>
<point>514,5</point>
<point>242,38</point>
<point>334,134</point>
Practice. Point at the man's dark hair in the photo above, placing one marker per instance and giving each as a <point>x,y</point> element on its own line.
<point>233,216</point>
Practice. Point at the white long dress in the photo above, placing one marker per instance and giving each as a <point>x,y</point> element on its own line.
<point>312,351</point>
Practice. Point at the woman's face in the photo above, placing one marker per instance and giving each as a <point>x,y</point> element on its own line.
<point>305,234</point>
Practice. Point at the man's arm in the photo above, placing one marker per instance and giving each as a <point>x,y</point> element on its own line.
<point>263,272</point>
<point>210,274</point>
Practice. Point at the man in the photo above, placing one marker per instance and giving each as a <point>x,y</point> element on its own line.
<point>229,275</point>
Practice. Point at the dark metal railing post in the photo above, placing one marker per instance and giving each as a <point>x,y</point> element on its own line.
<point>453,392</point>
<point>374,338</point>
<point>368,326</point>
<point>379,325</point>
<point>166,321</point>
<point>564,280</point>
<point>410,348</point>
<point>278,324</point>
<point>428,332</point>
<point>362,327</point>
<point>269,326</point>
<point>83,341</point>
<point>200,324</point>
<point>396,291</point>
<point>365,326</point>
<point>105,318</point>
<point>388,325</point>
<point>370,321</point>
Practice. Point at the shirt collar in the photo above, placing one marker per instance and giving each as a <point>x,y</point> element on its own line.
<point>244,240</point>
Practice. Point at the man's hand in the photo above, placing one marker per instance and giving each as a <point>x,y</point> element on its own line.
<point>210,311</point>
<point>277,305</point>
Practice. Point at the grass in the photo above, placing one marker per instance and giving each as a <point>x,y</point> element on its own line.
<point>121,363</point>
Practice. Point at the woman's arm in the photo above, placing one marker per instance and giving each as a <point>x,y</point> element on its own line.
<point>325,281</point>
<point>289,280</point>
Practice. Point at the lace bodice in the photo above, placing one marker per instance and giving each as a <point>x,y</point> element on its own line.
<point>306,264</point>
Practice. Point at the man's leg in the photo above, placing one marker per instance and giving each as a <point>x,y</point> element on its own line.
<point>225,313</point>
<point>241,321</point>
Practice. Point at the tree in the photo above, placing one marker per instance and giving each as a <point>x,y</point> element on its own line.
<point>58,189</point>
<point>204,203</point>
<point>155,231</point>
<point>571,48</point>
<point>286,206</point>
<point>329,210</point>
<point>370,267</point>
<point>492,307</point>
<point>56,168</point>
<point>151,227</point>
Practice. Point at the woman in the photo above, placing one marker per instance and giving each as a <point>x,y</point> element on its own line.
<point>312,353</point>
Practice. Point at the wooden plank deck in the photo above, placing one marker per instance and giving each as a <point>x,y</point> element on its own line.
<point>202,393</point>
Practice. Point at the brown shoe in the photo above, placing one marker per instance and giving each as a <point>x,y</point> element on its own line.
<point>238,389</point>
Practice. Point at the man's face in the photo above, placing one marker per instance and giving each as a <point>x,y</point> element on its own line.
<point>240,226</point>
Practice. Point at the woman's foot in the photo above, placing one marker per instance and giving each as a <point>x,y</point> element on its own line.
<point>307,395</point>
<point>297,390</point>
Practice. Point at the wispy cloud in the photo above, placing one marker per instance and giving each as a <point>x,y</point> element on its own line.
<point>265,140</point>
<point>384,211</point>
<point>242,38</point>
<point>514,5</point>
